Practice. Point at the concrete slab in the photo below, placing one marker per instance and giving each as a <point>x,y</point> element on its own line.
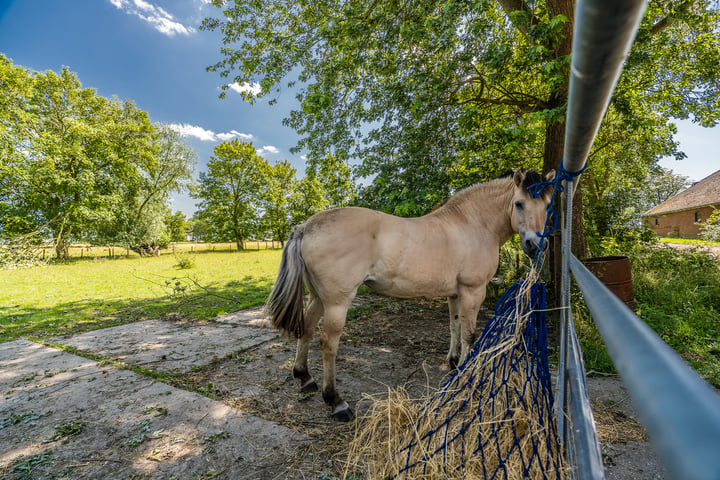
<point>168,347</point>
<point>251,317</point>
<point>63,416</point>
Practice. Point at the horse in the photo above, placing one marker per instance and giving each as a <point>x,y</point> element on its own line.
<point>451,252</point>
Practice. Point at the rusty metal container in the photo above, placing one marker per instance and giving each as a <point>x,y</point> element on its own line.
<point>615,273</point>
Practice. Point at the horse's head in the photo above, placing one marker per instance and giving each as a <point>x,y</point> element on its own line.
<point>528,214</point>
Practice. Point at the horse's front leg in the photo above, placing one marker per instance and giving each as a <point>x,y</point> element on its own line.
<point>453,356</point>
<point>329,341</point>
<point>300,368</point>
<point>471,300</point>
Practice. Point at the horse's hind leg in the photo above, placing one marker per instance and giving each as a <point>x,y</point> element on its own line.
<point>300,369</point>
<point>329,341</point>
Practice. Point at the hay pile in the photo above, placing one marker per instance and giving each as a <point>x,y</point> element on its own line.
<point>492,419</point>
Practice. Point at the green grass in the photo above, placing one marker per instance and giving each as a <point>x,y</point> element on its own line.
<point>689,241</point>
<point>678,296</point>
<point>80,295</point>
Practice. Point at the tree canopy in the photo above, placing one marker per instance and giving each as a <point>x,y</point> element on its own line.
<point>77,166</point>
<point>242,195</point>
<point>229,191</point>
<point>429,97</point>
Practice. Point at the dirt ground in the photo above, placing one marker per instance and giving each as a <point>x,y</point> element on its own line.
<point>188,401</point>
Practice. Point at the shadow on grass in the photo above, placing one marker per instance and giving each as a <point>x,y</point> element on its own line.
<point>184,298</point>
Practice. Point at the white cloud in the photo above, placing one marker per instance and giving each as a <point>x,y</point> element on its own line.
<point>194,131</point>
<point>242,136</point>
<point>225,136</point>
<point>267,149</point>
<point>156,16</point>
<point>251,88</point>
<point>208,135</point>
<point>143,5</point>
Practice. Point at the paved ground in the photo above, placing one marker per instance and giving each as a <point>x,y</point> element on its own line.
<point>65,416</point>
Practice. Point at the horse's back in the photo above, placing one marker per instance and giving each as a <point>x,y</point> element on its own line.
<point>340,245</point>
<point>340,231</point>
<point>402,257</point>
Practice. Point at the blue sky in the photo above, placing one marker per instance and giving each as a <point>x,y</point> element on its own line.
<point>152,52</point>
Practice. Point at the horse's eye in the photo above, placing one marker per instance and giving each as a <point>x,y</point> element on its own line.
<point>519,205</point>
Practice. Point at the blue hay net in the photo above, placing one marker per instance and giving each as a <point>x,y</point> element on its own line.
<point>506,371</point>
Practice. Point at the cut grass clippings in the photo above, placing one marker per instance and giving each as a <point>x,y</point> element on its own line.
<point>76,296</point>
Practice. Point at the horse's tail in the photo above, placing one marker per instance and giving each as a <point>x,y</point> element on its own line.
<point>285,303</point>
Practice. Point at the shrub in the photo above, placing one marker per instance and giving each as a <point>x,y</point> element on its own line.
<point>710,230</point>
<point>185,260</point>
<point>678,295</point>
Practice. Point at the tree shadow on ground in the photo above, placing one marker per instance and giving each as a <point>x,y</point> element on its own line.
<point>183,298</point>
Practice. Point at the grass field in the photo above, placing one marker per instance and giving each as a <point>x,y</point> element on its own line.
<point>689,241</point>
<point>80,295</point>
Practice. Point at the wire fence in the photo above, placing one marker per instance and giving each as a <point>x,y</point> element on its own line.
<point>119,251</point>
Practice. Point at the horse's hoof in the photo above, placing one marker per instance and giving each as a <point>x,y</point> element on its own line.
<point>452,362</point>
<point>343,413</point>
<point>309,387</point>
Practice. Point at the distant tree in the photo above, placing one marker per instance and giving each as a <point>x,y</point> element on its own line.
<point>335,177</point>
<point>198,228</point>
<point>662,184</point>
<point>710,230</point>
<point>307,199</point>
<point>229,193</point>
<point>177,226</point>
<point>139,220</point>
<point>68,154</point>
<point>77,166</point>
<point>617,199</point>
<point>280,183</point>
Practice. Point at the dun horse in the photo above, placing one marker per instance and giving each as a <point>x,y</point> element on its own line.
<point>452,252</point>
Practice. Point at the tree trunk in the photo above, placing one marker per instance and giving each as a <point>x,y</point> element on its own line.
<point>555,133</point>
<point>61,247</point>
<point>579,245</point>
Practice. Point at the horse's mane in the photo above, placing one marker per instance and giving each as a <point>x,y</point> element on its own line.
<point>490,188</point>
<point>531,177</point>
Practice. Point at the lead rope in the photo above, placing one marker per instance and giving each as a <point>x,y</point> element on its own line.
<point>536,190</point>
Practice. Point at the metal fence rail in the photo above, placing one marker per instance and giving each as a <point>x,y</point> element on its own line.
<point>604,32</point>
<point>680,411</point>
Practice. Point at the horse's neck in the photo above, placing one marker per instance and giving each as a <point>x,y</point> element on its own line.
<point>485,207</point>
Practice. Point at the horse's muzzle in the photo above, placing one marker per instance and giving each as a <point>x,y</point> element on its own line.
<point>530,245</point>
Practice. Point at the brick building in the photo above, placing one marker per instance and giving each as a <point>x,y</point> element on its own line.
<point>678,216</point>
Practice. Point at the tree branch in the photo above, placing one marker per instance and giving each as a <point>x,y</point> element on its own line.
<point>666,22</point>
<point>511,6</point>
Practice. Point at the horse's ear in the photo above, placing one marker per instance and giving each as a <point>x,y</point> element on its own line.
<point>518,177</point>
<point>549,176</point>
